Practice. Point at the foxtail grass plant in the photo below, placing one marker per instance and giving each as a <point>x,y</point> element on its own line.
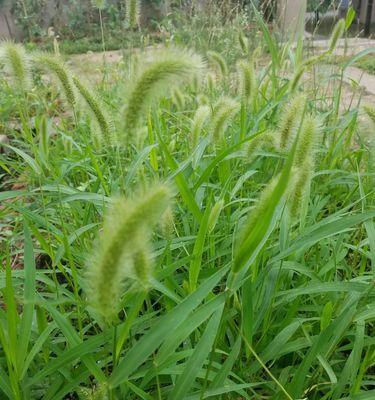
<point>169,68</point>
<point>337,33</point>
<point>97,110</point>
<point>17,64</point>
<point>218,61</point>
<point>123,253</point>
<point>58,68</point>
<point>290,120</point>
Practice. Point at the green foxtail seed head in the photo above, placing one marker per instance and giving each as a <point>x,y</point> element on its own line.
<point>243,42</point>
<point>266,140</point>
<point>17,64</point>
<point>337,33</point>
<point>307,140</point>
<point>171,67</point>
<point>290,120</point>
<point>214,215</point>
<point>218,61</point>
<point>224,110</point>
<point>300,185</point>
<point>96,108</point>
<point>132,13</point>
<point>178,99</point>
<point>247,79</point>
<point>197,124</point>
<point>122,252</point>
<point>55,65</point>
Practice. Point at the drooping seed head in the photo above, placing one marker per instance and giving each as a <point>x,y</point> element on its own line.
<point>247,79</point>
<point>243,42</point>
<point>307,140</point>
<point>211,82</point>
<point>178,99</point>
<point>218,61</point>
<point>224,110</point>
<point>17,64</point>
<point>123,249</point>
<point>55,65</point>
<point>170,67</point>
<point>96,108</point>
<point>370,112</point>
<point>300,185</point>
<point>337,33</point>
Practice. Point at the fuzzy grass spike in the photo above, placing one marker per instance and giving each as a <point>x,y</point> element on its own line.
<point>170,67</point>
<point>96,108</point>
<point>122,252</point>
<point>225,109</point>
<point>291,115</point>
<point>307,140</point>
<point>337,33</point>
<point>59,69</point>
<point>17,64</point>
<point>201,115</point>
<point>247,79</point>
<point>219,61</point>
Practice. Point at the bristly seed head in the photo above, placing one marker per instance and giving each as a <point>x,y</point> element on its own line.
<point>169,68</point>
<point>290,120</point>
<point>17,64</point>
<point>123,253</point>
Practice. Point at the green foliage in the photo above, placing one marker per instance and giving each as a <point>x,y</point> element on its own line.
<point>259,282</point>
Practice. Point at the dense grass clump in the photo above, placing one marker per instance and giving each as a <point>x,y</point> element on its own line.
<point>255,282</point>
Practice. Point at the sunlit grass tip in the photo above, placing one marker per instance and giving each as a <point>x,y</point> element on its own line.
<point>224,110</point>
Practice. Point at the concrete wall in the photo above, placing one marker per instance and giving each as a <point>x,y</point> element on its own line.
<point>362,14</point>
